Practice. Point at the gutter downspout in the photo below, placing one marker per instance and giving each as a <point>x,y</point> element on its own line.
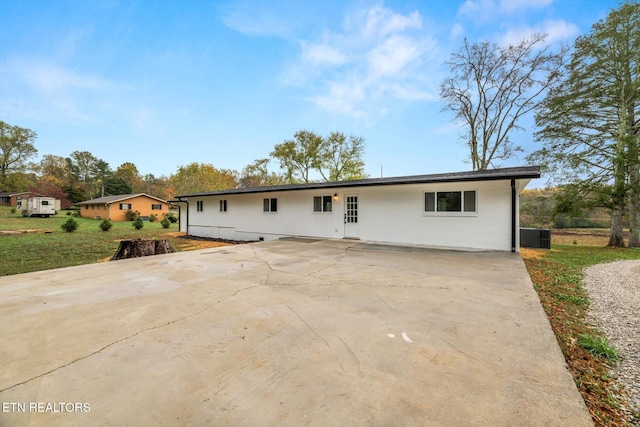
<point>513,215</point>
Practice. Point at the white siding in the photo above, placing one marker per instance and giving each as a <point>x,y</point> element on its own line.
<point>393,213</point>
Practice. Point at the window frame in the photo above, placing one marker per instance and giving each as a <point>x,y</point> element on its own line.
<point>122,206</point>
<point>156,206</point>
<point>223,205</point>
<point>323,204</point>
<point>270,205</point>
<point>433,203</point>
<point>199,205</point>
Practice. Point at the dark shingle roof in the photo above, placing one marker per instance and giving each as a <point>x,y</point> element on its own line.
<point>523,172</point>
<point>112,199</point>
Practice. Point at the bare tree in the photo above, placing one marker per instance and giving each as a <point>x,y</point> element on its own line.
<point>492,87</point>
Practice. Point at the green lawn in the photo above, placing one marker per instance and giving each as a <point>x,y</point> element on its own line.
<point>50,247</point>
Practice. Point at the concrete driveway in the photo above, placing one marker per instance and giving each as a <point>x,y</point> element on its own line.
<point>284,333</point>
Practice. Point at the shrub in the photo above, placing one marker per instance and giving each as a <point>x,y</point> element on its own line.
<point>131,215</point>
<point>138,224</point>
<point>171,217</point>
<point>13,210</point>
<point>165,223</point>
<point>68,213</point>
<point>106,225</point>
<point>153,217</point>
<point>70,226</point>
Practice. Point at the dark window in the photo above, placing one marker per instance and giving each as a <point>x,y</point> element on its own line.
<point>125,206</point>
<point>156,207</point>
<point>45,203</point>
<point>270,205</point>
<point>430,202</point>
<point>199,205</point>
<point>469,201</point>
<point>223,205</point>
<point>322,204</point>
<point>450,201</point>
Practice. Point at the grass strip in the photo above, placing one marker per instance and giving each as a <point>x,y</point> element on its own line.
<point>557,277</point>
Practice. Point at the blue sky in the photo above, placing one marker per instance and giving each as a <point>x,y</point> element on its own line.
<point>166,83</point>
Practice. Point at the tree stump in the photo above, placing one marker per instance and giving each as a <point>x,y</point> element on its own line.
<point>139,247</point>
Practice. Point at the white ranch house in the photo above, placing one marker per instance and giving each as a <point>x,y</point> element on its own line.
<point>466,210</point>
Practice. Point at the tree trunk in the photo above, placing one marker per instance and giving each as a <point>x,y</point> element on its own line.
<point>634,220</point>
<point>139,248</point>
<point>616,239</point>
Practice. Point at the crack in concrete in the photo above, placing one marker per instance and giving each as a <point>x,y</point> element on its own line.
<point>309,326</point>
<point>110,345</point>
<point>353,356</point>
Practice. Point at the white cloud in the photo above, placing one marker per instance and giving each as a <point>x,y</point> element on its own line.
<point>343,97</point>
<point>321,54</point>
<point>51,91</point>
<point>513,6</point>
<point>255,18</point>
<point>381,21</point>
<point>457,31</point>
<point>556,31</point>
<point>478,9</point>
<point>377,58</point>
<point>392,56</point>
<point>489,10</point>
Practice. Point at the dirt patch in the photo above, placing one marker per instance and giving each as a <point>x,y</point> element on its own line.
<point>11,232</point>
<point>582,237</point>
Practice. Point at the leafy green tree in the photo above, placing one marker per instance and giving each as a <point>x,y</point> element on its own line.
<point>298,156</point>
<point>340,158</point>
<point>157,186</point>
<point>56,170</point>
<point>100,174</point>
<point>201,177</point>
<point>257,174</point>
<point>17,182</point>
<point>492,87</point>
<point>129,173</point>
<point>334,158</point>
<point>589,119</point>
<point>16,147</point>
<point>83,164</point>
<point>114,185</point>
<point>75,193</point>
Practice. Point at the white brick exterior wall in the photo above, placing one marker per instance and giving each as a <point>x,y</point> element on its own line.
<point>391,213</point>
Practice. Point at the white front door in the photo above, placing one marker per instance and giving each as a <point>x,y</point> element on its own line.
<point>351,216</point>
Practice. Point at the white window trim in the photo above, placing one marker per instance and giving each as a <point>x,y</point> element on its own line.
<point>449,213</point>
<point>322,204</point>
<point>270,211</point>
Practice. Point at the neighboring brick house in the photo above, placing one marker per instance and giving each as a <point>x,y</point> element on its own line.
<point>14,199</point>
<point>114,208</point>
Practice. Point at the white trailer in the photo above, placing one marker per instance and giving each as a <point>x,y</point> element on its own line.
<point>39,206</point>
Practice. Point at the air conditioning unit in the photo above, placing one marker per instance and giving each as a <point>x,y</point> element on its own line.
<point>535,238</point>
